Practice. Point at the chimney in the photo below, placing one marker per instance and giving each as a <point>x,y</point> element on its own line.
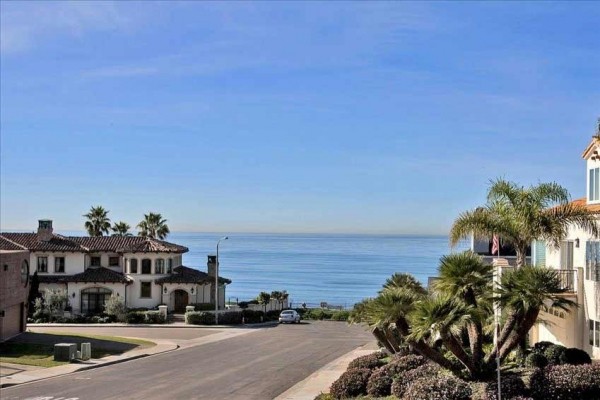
<point>44,230</point>
<point>211,264</point>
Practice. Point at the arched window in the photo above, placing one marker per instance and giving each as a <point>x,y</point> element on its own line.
<point>159,265</point>
<point>93,300</point>
<point>133,266</point>
<point>146,266</point>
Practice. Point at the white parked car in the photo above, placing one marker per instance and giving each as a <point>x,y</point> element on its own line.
<point>290,316</point>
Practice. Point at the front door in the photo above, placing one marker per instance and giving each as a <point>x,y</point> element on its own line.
<point>181,300</point>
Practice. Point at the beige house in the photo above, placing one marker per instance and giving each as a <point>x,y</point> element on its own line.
<point>144,272</point>
<point>14,289</point>
<point>578,263</point>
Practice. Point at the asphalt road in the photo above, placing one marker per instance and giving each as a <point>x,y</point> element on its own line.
<point>259,365</point>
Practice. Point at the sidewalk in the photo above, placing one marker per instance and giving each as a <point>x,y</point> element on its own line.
<point>320,381</point>
<point>169,325</point>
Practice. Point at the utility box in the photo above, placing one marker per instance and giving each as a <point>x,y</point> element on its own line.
<point>86,351</point>
<point>65,351</point>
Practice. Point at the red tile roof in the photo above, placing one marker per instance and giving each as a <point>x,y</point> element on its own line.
<point>117,244</point>
<point>90,275</point>
<point>595,208</point>
<point>184,274</point>
<point>6,244</point>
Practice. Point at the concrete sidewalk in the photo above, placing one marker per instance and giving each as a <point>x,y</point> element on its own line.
<point>320,381</point>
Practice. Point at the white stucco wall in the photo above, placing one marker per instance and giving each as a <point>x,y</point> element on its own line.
<point>74,262</point>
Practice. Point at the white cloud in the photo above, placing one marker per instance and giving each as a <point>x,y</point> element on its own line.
<point>25,25</point>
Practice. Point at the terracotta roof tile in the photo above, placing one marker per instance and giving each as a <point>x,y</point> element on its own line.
<point>595,208</point>
<point>184,274</point>
<point>117,244</point>
<point>98,274</point>
<point>6,244</point>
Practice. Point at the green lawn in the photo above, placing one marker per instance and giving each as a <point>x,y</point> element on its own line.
<point>38,348</point>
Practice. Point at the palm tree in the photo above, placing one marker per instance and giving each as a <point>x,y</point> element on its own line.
<point>521,215</point>
<point>98,222</point>
<point>121,229</point>
<point>153,226</point>
<point>263,298</point>
<point>522,294</point>
<point>464,276</point>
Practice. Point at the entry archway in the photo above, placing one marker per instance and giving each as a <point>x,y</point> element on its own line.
<point>181,300</point>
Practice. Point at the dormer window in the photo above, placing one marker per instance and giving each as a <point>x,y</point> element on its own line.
<point>594,188</point>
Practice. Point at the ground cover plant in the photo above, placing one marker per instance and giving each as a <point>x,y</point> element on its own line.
<point>38,348</point>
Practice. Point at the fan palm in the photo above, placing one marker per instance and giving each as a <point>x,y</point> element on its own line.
<point>264,298</point>
<point>121,229</point>
<point>522,294</point>
<point>522,215</point>
<point>464,276</point>
<point>153,226</point>
<point>97,222</point>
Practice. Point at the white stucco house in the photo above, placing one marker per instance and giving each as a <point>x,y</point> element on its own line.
<point>144,272</point>
<point>578,262</point>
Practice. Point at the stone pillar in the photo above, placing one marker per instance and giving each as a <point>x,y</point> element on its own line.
<point>162,310</point>
<point>212,270</point>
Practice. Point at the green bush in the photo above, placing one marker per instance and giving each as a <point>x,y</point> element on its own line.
<point>512,385</point>
<point>272,315</point>
<point>441,387</point>
<point>540,347</point>
<point>351,383</point>
<point>575,356</point>
<point>115,306</point>
<point>380,383</point>
<point>536,360</point>
<point>230,318</point>
<point>554,354</point>
<point>203,306</point>
<point>135,317</point>
<point>563,382</point>
<point>370,361</point>
<point>154,317</point>
<point>403,378</point>
<point>252,316</point>
<point>199,318</point>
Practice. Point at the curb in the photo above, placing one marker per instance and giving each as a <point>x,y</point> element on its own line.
<point>178,326</point>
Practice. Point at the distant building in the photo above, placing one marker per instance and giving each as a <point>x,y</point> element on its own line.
<point>483,247</point>
<point>14,289</point>
<point>144,272</point>
<point>578,263</point>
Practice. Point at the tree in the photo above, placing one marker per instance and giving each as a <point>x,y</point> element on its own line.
<point>121,229</point>
<point>521,215</point>
<point>263,298</point>
<point>280,297</point>
<point>97,222</point>
<point>153,226</point>
<point>34,292</point>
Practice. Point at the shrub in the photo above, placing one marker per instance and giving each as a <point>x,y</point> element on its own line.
<point>442,387</point>
<point>380,383</point>
<point>115,306</point>
<point>252,316</point>
<point>135,317</point>
<point>351,383</point>
<point>203,306</point>
<point>272,315</point>
<point>370,361</point>
<point>512,385</point>
<point>154,317</point>
<point>40,313</point>
<point>575,356</point>
<point>536,360</point>
<point>563,382</point>
<point>540,347</point>
<point>199,318</point>
<point>404,378</point>
<point>554,354</point>
<point>230,318</point>
<point>340,316</point>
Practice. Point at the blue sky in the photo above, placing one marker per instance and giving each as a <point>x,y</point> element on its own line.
<point>290,117</point>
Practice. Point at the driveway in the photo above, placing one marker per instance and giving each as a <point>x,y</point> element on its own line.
<point>258,365</point>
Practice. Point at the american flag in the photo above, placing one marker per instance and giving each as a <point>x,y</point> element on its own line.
<point>495,245</point>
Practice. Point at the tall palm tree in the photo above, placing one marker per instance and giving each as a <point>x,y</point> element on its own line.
<point>464,276</point>
<point>521,215</point>
<point>97,222</point>
<point>153,226</point>
<point>264,298</point>
<point>121,229</point>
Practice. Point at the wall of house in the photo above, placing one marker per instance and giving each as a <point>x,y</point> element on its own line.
<point>13,294</point>
<point>74,262</point>
<point>589,165</point>
<point>152,257</point>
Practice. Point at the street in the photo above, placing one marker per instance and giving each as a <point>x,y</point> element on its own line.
<point>258,365</point>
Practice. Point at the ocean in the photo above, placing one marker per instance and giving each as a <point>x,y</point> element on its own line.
<point>313,268</point>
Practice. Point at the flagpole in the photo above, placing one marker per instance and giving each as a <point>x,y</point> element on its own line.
<point>497,324</point>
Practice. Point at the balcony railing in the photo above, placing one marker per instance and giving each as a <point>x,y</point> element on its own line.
<point>567,279</point>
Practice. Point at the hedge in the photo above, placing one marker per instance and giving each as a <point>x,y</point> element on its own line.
<point>562,382</point>
<point>203,306</point>
<point>403,377</point>
<point>252,316</point>
<point>199,318</point>
<point>370,361</point>
<point>441,387</point>
<point>145,317</point>
<point>351,383</point>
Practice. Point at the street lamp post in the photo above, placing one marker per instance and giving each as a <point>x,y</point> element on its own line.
<point>217,282</point>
